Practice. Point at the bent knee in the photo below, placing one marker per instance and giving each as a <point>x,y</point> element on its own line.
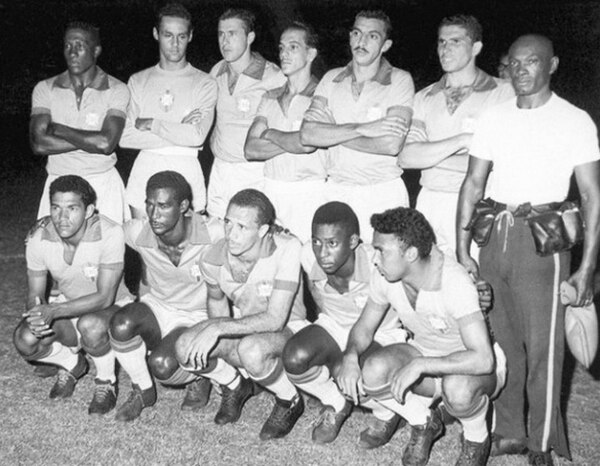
<point>459,393</point>
<point>253,354</point>
<point>162,366</point>
<point>375,370</point>
<point>93,328</point>
<point>122,325</point>
<point>296,358</point>
<point>25,342</point>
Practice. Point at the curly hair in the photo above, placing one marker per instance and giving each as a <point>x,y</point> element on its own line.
<point>337,213</point>
<point>169,179</point>
<point>265,211</point>
<point>74,184</point>
<point>409,226</point>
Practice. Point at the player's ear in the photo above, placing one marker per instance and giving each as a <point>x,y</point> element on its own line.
<point>155,33</point>
<point>97,51</point>
<point>191,35</point>
<point>477,47</point>
<point>411,254</point>
<point>184,206</point>
<point>553,64</point>
<point>89,211</point>
<point>354,241</point>
<point>386,45</point>
<point>251,37</point>
<point>312,54</point>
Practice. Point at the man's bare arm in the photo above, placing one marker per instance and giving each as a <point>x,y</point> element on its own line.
<point>43,143</point>
<point>471,191</point>
<point>95,142</point>
<point>588,182</point>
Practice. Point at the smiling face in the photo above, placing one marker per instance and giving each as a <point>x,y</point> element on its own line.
<point>69,214</point>
<point>80,51</point>
<point>333,246</point>
<point>368,40</point>
<point>531,63</point>
<point>294,54</point>
<point>173,36</point>
<point>163,210</point>
<point>456,50</point>
<point>234,42</point>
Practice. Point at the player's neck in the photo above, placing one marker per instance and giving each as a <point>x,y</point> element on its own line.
<point>167,65</point>
<point>84,79</point>
<point>425,273</point>
<point>534,100</point>
<point>297,82</point>
<point>73,241</point>
<point>346,271</point>
<point>366,72</point>
<point>241,63</point>
<point>465,77</point>
<point>179,235</point>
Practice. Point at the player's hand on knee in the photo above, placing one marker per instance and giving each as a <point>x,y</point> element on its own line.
<point>403,379</point>
<point>349,379</point>
<point>584,284</point>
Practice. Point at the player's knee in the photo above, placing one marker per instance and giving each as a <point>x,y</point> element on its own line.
<point>458,394</point>
<point>93,329</point>
<point>25,342</point>
<point>253,355</point>
<point>162,365</point>
<point>375,370</point>
<point>181,346</point>
<point>296,358</point>
<point>122,324</point>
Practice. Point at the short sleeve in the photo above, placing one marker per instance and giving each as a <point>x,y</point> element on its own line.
<point>377,289</point>
<point>34,254</point>
<point>418,128</point>
<point>319,106</point>
<point>263,107</point>
<point>210,263</point>
<point>459,293</point>
<point>132,230</point>
<point>481,138</point>
<point>307,257</point>
<point>119,100</point>
<point>40,99</point>
<point>403,90</point>
<point>585,144</point>
<point>287,275</point>
<point>113,247</point>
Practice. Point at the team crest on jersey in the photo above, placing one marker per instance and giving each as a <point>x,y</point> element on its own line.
<point>438,323</point>
<point>374,113</point>
<point>361,300</point>
<point>92,119</point>
<point>243,105</point>
<point>264,288</point>
<point>90,272</point>
<point>195,272</point>
<point>166,100</point>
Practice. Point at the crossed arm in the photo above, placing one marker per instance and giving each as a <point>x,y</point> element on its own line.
<point>384,136</point>
<point>427,154</point>
<point>264,143</point>
<point>47,137</point>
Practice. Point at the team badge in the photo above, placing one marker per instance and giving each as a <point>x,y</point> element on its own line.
<point>264,289</point>
<point>243,105</point>
<point>195,272</point>
<point>438,323</point>
<point>166,101</point>
<point>361,300</point>
<point>374,113</point>
<point>90,272</point>
<point>92,119</point>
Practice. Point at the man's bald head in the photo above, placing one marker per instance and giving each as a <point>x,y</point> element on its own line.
<point>541,43</point>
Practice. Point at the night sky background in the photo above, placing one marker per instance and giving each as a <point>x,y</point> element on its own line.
<point>31,34</point>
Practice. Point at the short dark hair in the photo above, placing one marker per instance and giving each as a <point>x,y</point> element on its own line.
<point>409,225</point>
<point>265,211</point>
<point>468,22</point>
<point>176,10</point>
<point>337,213</point>
<point>169,179</point>
<point>74,184</point>
<point>246,16</point>
<point>92,30</point>
<point>380,15</point>
<point>310,35</point>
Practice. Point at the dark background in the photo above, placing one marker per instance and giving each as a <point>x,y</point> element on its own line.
<point>31,46</point>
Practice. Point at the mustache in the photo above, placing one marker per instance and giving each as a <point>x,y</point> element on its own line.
<point>360,49</point>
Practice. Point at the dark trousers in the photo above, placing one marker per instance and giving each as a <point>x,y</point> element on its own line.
<point>528,322</point>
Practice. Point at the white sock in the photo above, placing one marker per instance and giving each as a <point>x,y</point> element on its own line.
<point>277,382</point>
<point>379,411</point>
<point>415,408</point>
<point>224,374</point>
<point>105,366</point>
<point>475,427</point>
<point>61,356</point>
<point>134,363</point>
<point>324,388</point>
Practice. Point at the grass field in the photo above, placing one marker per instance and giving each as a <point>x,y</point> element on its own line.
<point>36,430</point>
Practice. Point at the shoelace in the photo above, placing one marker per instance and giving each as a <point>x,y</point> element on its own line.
<point>64,377</point>
<point>327,416</point>
<point>510,221</point>
<point>102,391</point>
<point>377,426</point>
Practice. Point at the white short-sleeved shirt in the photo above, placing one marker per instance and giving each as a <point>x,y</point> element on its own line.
<point>236,110</point>
<point>436,321</point>
<point>534,151</point>
<point>277,269</point>
<point>105,96</point>
<point>432,121</point>
<point>182,286</point>
<point>335,102</point>
<point>102,246</point>
<point>344,308</point>
<point>287,166</point>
